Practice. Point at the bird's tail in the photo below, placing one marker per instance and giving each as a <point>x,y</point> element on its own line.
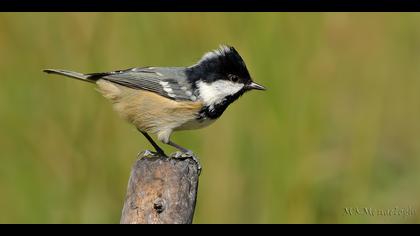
<point>72,74</point>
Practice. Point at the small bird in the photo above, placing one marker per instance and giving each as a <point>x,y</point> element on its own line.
<point>161,100</point>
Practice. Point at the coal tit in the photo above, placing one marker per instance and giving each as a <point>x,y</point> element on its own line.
<point>161,100</point>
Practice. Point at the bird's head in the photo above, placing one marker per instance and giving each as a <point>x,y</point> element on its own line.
<point>221,76</point>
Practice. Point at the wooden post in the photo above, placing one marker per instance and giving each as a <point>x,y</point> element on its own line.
<point>161,190</point>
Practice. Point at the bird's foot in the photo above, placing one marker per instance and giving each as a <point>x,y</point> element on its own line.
<point>188,154</point>
<point>145,153</point>
<point>149,154</point>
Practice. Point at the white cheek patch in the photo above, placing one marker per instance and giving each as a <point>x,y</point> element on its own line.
<point>217,91</point>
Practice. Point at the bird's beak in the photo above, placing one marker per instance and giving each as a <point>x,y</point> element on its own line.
<point>256,86</point>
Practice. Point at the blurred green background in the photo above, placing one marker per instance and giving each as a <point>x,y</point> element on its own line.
<point>338,127</point>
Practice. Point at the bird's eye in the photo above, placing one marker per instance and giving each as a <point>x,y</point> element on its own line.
<point>233,78</point>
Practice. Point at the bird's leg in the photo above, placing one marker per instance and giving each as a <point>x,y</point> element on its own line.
<point>157,148</point>
<point>185,153</point>
<point>182,149</point>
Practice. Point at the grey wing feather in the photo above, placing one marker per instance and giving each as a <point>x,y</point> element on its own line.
<point>168,82</point>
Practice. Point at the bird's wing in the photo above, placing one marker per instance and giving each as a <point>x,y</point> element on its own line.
<point>168,82</point>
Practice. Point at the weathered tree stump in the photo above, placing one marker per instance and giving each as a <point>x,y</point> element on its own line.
<point>161,190</point>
